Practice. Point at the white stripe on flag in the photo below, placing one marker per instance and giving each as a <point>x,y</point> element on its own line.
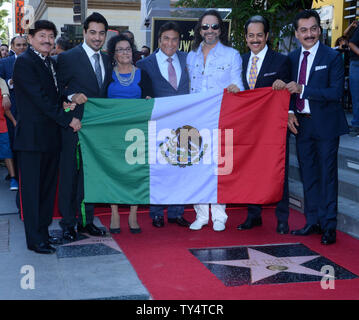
<point>196,183</point>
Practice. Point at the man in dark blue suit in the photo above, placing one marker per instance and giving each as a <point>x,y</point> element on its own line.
<point>270,67</point>
<point>18,45</point>
<point>318,120</point>
<point>83,72</point>
<point>157,66</point>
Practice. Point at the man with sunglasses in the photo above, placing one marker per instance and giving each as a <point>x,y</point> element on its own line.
<point>213,65</point>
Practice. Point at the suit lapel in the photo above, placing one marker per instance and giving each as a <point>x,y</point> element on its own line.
<point>245,60</point>
<point>40,64</point>
<point>295,66</point>
<point>264,68</point>
<point>158,71</point>
<point>316,60</point>
<point>183,68</point>
<point>85,64</point>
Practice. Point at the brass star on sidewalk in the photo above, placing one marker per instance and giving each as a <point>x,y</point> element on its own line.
<point>264,265</point>
<point>107,241</point>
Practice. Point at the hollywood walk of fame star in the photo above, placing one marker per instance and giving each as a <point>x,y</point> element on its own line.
<point>107,241</point>
<point>264,265</point>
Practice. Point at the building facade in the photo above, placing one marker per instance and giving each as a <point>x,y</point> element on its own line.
<point>121,15</point>
<point>336,15</point>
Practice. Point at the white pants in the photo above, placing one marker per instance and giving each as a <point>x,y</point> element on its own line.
<point>218,212</point>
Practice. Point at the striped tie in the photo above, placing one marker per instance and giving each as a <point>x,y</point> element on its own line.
<point>253,73</point>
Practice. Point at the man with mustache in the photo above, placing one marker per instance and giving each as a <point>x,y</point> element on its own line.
<point>167,70</point>
<point>263,67</point>
<point>37,134</point>
<point>318,120</point>
<point>83,72</point>
<point>213,65</point>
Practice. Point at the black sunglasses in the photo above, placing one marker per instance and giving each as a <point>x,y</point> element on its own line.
<point>214,26</point>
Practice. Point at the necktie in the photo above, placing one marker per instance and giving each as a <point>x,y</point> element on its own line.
<point>302,79</point>
<point>253,73</point>
<point>49,65</point>
<point>98,71</point>
<point>172,77</point>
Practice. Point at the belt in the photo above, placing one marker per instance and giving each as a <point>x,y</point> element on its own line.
<point>305,115</point>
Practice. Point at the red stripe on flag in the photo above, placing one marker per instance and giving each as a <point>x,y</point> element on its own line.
<point>258,119</point>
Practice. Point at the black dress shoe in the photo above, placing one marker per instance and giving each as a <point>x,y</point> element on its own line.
<point>91,229</point>
<point>329,237</point>
<point>134,230</point>
<point>54,240</point>
<point>180,221</point>
<point>250,223</point>
<point>158,221</point>
<point>307,230</point>
<point>115,230</point>
<point>43,248</point>
<point>69,233</point>
<point>282,227</point>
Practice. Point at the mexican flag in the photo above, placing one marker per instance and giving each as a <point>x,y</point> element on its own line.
<point>210,147</point>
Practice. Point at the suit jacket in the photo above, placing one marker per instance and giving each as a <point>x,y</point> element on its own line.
<point>76,75</point>
<point>6,72</point>
<point>40,114</point>
<point>161,87</point>
<point>275,66</point>
<point>324,91</point>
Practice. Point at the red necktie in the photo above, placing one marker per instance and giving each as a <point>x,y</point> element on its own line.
<point>172,77</point>
<point>302,79</point>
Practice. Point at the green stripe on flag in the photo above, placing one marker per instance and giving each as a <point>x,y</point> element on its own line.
<point>106,125</point>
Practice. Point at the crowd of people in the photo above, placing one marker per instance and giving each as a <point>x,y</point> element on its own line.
<point>46,106</point>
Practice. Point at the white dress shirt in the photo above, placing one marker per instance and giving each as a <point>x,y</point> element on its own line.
<point>223,67</point>
<point>90,53</point>
<point>261,55</point>
<point>163,65</point>
<point>312,52</point>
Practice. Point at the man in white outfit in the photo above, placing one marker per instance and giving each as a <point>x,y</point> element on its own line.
<point>213,65</point>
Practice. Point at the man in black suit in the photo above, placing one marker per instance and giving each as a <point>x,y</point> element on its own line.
<point>37,134</point>
<point>82,72</point>
<point>318,120</point>
<point>263,67</point>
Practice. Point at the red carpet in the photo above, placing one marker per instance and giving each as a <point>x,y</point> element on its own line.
<point>163,262</point>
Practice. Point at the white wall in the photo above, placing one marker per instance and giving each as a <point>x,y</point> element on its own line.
<point>130,18</point>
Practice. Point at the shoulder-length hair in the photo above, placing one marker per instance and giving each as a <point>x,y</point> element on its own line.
<point>223,37</point>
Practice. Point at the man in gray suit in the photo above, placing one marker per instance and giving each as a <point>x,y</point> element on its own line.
<point>167,70</point>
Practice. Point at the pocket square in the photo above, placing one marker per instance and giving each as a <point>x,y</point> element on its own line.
<point>320,68</point>
<point>269,74</point>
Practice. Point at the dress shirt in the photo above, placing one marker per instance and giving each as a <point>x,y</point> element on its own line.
<point>162,62</point>
<point>90,52</point>
<point>261,55</point>
<point>312,52</point>
<point>223,67</point>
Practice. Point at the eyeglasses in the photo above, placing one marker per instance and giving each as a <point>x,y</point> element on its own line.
<point>123,50</point>
<point>214,26</point>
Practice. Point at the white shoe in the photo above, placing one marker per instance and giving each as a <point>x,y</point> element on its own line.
<point>198,224</point>
<point>218,226</point>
